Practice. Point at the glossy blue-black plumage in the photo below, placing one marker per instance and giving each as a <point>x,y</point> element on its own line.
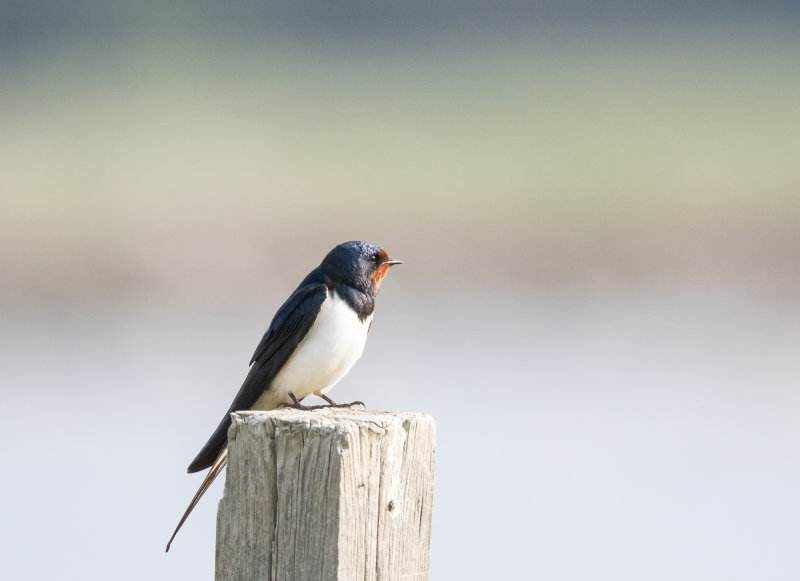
<point>289,326</point>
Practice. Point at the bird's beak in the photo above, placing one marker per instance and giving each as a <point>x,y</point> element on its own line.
<point>393,262</point>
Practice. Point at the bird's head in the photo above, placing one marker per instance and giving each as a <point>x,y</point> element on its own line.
<point>358,264</point>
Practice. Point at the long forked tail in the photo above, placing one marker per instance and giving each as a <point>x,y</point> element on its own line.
<point>213,472</point>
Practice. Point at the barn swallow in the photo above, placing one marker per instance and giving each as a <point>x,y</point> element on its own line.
<point>311,343</point>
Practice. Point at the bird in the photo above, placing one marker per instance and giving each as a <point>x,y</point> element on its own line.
<point>313,340</point>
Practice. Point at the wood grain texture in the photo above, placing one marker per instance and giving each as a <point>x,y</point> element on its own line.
<point>332,494</point>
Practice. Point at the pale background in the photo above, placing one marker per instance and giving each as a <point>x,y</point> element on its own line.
<point>599,210</point>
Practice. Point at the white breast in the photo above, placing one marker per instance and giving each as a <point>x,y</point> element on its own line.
<point>334,343</point>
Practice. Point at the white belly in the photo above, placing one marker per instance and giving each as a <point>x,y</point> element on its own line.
<point>334,343</point>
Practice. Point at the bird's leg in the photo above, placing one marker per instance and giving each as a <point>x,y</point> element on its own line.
<point>333,404</point>
<point>297,405</point>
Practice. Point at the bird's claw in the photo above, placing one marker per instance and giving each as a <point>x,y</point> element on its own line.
<point>333,404</point>
<point>345,405</point>
<point>296,405</point>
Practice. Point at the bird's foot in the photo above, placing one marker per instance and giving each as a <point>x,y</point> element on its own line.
<point>333,404</point>
<point>296,405</point>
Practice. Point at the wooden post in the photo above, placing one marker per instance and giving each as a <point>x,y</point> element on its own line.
<point>331,494</point>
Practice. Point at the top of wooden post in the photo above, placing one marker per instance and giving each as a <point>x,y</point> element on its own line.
<point>325,418</point>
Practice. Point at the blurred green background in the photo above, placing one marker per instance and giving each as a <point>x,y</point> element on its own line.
<point>598,206</point>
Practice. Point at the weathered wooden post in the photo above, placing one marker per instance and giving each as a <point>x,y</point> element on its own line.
<point>334,494</point>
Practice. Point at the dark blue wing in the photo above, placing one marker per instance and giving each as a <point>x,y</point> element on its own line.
<point>292,321</point>
<point>289,326</point>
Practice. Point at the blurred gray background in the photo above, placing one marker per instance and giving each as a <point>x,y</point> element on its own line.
<point>598,205</point>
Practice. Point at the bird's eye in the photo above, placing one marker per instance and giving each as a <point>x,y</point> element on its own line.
<point>373,257</point>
